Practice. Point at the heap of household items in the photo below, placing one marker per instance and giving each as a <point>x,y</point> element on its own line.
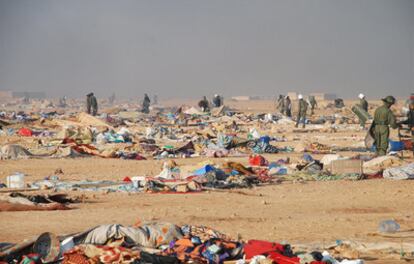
<point>169,133</point>
<point>212,174</point>
<point>161,243</point>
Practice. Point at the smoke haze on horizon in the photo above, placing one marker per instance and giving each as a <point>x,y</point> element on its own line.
<point>185,48</point>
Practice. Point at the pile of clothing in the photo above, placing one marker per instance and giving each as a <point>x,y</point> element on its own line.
<point>158,243</point>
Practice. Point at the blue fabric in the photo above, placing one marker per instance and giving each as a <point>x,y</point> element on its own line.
<point>396,145</point>
<point>307,157</point>
<point>265,139</point>
<point>204,170</point>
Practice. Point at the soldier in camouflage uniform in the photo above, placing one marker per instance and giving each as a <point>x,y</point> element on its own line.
<point>280,104</point>
<point>383,119</point>
<point>363,103</point>
<point>303,107</point>
<point>146,104</point>
<point>288,106</point>
<point>313,104</point>
<point>91,104</point>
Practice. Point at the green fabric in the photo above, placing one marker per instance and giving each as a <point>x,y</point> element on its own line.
<point>383,119</point>
<point>362,115</point>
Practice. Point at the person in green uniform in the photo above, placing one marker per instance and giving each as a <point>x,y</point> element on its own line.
<point>288,106</point>
<point>313,103</point>
<point>91,104</point>
<point>204,105</point>
<point>303,107</point>
<point>383,119</point>
<point>146,104</point>
<point>363,103</point>
<point>280,105</point>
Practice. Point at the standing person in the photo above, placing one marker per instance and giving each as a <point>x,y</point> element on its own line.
<point>26,98</point>
<point>313,103</point>
<point>364,106</point>
<point>303,107</point>
<point>94,103</point>
<point>62,102</point>
<point>88,103</point>
<point>146,104</point>
<point>280,106</point>
<point>410,121</point>
<point>203,104</point>
<point>217,100</point>
<point>288,106</point>
<point>91,104</point>
<point>383,119</point>
<point>112,98</point>
<point>363,103</point>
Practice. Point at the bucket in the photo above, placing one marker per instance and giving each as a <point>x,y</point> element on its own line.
<point>15,181</point>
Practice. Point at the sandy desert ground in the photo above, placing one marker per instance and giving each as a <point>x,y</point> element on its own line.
<point>294,212</point>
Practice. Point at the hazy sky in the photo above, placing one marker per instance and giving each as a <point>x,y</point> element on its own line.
<point>190,48</point>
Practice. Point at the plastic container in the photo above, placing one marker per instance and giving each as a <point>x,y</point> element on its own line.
<point>15,181</point>
<point>396,145</point>
<point>66,245</point>
<point>388,226</point>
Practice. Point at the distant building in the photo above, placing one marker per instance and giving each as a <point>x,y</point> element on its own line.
<point>324,96</point>
<point>30,95</point>
<point>241,98</point>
